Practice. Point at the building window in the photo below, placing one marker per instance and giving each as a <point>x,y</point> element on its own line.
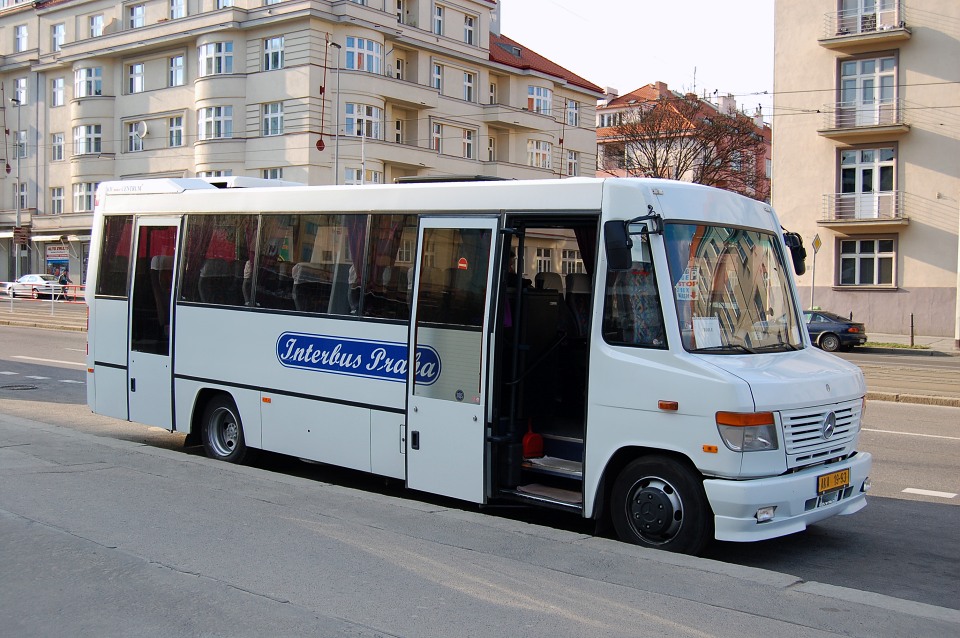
<point>56,147</point>
<point>20,139</point>
<point>215,122</point>
<point>223,4</point>
<point>493,93</point>
<point>539,99</point>
<point>364,120</point>
<point>216,58</point>
<point>56,200</point>
<point>573,113</point>
<point>272,173</point>
<point>56,92</point>
<point>867,183</point>
<point>544,260</point>
<point>20,195</point>
<point>437,78</point>
<point>134,141</point>
<point>178,9</point>
<point>83,193</point>
<point>96,25</point>
<point>610,119</point>
<point>401,10</point>
<point>867,262</point>
<point>469,30</point>
<point>136,15</point>
<point>438,138</point>
<point>135,78</point>
<point>538,153</point>
<point>491,149</point>
<point>469,80</point>
<point>573,163</point>
<point>438,12</point>
<point>177,77</point>
<point>175,130</point>
<point>273,53</point>
<point>58,33</point>
<point>88,82</point>
<point>364,55</point>
<point>20,91</point>
<point>468,137</point>
<point>87,139</point>
<point>20,39</point>
<point>570,261</point>
<point>226,173</point>
<point>272,118</point>
<point>867,92</point>
<point>358,176</point>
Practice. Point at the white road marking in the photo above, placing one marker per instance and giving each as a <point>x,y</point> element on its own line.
<point>38,378</point>
<point>76,349</point>
<point>8,372</point>
<point>70,381</point>
<point>929,436</point>
<point>69,363</point>
<point>913,490</point>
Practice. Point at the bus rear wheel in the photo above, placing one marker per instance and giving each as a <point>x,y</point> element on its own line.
<point>223,431</point>
<point>657,502</point>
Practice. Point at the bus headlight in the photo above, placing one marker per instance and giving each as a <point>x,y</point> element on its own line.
<point>748,432</point>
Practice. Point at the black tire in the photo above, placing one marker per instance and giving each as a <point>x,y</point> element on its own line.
<point>35,293</point>
<point>223,431</point>
<point>658,502</point>
<point>829,342</point>
<point>13,293</point>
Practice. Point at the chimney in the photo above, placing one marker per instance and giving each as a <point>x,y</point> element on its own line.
<point>727,104</point>
<point>609,94</point>
<point>758,117</point>
<point>495,20</point>
<point>662,90</point>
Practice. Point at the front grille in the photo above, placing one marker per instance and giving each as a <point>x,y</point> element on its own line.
<point>803,437</point>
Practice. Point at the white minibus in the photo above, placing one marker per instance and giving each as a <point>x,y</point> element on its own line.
<point>628,350</point>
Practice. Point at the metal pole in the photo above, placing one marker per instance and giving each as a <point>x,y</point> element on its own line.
<point>16,246</point>
<point>813,278</point>
<point>336,147</point>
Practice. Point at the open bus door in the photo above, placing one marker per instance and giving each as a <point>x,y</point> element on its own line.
<point>150,370</point>
<point>447,369</point>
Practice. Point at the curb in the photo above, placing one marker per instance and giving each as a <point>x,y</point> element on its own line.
<point>896,397</point>
<point>916,352</point>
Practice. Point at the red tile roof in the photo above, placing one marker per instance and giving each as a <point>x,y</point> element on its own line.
<point>511,53</point>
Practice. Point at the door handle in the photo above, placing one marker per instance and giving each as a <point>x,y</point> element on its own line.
<point>133,385</point>
<point>414,440</point>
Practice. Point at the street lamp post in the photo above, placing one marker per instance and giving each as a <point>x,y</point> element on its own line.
<point>16,197</point>
<point>336,145</point>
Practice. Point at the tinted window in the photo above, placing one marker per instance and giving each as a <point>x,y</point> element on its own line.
<point>114,265</point>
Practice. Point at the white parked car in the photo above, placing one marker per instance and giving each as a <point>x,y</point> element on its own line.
<point>36,286</point>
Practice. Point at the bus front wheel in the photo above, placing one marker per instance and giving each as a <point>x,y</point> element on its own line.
<point>223,431</point>
<point>657,502</point>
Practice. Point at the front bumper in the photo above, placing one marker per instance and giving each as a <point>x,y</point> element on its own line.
<point>735,503</point>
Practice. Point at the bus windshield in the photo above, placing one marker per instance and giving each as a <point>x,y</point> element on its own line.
<point>731,289</point>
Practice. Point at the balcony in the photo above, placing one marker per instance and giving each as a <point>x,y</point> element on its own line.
<point>847,120</point>
<point>863,212</point>
<point>853,28</point>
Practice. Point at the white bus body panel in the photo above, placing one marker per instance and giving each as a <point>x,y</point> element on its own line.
<point>107,388</point>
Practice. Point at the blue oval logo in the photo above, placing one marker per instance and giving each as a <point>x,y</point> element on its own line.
<point>384,360</point>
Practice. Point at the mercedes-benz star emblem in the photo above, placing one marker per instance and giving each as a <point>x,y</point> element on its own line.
<point>828,426</point>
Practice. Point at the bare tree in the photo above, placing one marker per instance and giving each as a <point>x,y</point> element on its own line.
<point>687,138</point>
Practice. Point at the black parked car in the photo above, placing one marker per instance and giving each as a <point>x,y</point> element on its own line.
<point>832,332</point>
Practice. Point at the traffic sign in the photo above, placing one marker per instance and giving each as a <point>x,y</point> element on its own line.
<point>21,235</point>
<point>816,243</point>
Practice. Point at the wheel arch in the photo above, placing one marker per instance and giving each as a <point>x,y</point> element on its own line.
<point>619,460</point>
<point>203,397</point>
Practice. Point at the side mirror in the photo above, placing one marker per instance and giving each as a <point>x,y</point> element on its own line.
<point>618,245</point>
<point>797,252</point>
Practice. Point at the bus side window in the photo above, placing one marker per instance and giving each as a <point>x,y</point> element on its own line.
<point>115,256</point>
<point>632,314</point>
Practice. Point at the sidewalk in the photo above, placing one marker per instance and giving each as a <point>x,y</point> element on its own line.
<point>933,346</point>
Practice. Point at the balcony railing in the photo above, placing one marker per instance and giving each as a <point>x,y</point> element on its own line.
<point>887,16</point>
<point>855,207</point>
<point>848,115</point>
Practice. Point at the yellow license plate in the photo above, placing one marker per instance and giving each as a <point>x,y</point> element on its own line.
<point>833,481</point>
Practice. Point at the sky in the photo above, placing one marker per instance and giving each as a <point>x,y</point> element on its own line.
<point>702,45</point>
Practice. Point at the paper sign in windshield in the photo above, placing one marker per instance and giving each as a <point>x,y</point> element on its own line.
<point>706,330</point>
<point>686,288</point>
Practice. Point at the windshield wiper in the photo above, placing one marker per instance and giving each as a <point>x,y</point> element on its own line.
<point>777,346</point>
<point>729,348</point>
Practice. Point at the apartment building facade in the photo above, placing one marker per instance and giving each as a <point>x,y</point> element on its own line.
<point>310,91</point>
<point>866,159</point>
<point>628,145</point>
